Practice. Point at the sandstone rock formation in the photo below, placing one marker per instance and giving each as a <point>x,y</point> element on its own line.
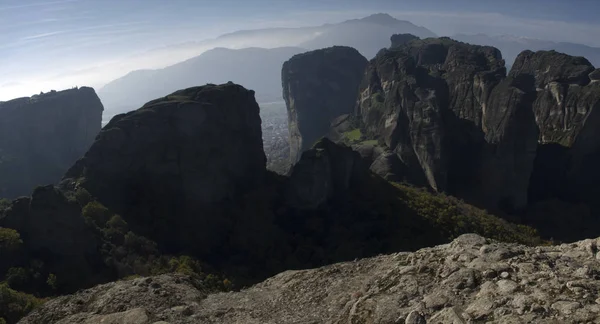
<point>42,136</point>
<point>457,123</point>
<point>566,110</point>
<point>470,280</point>
<point>319,86</point>
<point>166,165</point>
<point>426,100</point>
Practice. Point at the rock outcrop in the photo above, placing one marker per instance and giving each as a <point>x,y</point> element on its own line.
<point>399,40</point>
<point>166,166</point>
<point>457,123</point>
<point>319,86</point>
<point>426,101</point>
<point>323,171</point>
<point>42,136</point>
<point>566,110</point>
<point>471,279</point>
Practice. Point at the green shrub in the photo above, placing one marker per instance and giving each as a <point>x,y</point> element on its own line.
<point>14,305</point>
<point>97,213</point>
<point>117,223</point>
<point>452,217</point>
<point>353,136</point>
<point>52,281</point>
<point>10,240</point>
<point>4,204</point>
<point>186,265</point>
<point>140,244</point>
<point>17,277</point>
<point>83,197</point>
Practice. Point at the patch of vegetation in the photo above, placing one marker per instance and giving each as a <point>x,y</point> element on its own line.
<point>263,235</point>
<point>453,217</point>
<point>354,135</point>
<point>370,142</point>
<point>14,305</point>
<point>4,205</point>
<point>10,241</point>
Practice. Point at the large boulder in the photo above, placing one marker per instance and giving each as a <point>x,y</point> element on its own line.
<point>168,165</point>
<point>42,136</point>
<point>319,86</point>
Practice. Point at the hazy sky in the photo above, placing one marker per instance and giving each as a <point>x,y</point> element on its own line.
<point>47,44</point>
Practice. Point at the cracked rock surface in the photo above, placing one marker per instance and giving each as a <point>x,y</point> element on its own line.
<point>470,280</point>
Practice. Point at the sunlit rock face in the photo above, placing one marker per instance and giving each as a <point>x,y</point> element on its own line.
<point>318,87</point>
<point>42,136</point>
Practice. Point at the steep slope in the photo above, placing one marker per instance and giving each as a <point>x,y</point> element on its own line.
<point>42,136</point>
<point>318,87</point>
<point>472,279</point>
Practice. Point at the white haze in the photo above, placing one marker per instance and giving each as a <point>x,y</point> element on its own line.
<point>99,72</point>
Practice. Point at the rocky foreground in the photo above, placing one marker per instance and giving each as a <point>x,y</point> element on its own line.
<point>470,280</point>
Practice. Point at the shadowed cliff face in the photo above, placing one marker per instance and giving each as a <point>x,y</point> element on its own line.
<point>187,175</point>
<point>452,116</point>
<point>42,136</point>
<point>426,101</point>
<point>319,86</point>
<point>176,158</point>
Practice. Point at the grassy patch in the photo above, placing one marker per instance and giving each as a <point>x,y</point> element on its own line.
<point>354,135</point>
<point>370,142</point>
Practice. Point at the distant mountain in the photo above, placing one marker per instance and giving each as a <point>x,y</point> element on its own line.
<point>368,35</point>
<point>258,69</point>
<point>258,63</point>
<point>511,46</point>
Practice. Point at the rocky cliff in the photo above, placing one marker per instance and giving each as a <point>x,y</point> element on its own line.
<point>181,185</point>
<point>451,119</point>
<point>425,100</point>
<point>42,136</point>
<point>167,165</point>
<point>470,280</point>
<point>319,86</point>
